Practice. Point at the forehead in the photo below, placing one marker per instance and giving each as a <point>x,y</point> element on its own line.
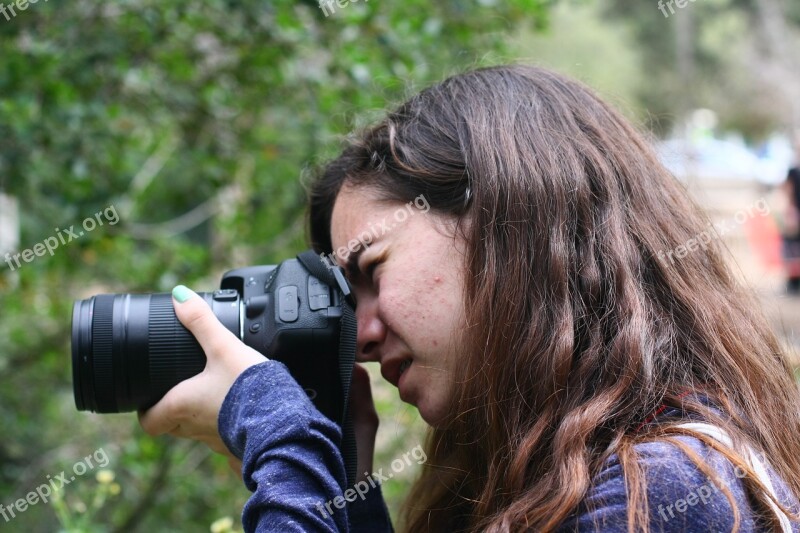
<point>355,208</point>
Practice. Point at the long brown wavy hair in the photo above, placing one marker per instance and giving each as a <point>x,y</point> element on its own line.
<point>579,329</point>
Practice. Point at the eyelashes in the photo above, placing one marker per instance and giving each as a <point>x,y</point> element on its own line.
<point>369,269</point>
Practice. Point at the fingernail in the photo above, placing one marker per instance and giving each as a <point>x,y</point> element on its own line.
<point>182,293</point>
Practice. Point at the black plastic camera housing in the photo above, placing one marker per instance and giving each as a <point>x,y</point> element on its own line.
<point>128,350</point>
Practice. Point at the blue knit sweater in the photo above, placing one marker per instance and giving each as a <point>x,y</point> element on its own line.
<point>292,465</point>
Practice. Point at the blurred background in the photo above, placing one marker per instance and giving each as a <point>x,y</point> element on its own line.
<point>189,128</point>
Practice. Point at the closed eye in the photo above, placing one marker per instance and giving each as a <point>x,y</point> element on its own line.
<point>369,269</point>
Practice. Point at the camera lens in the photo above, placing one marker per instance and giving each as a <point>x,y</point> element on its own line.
<point>128,350</point>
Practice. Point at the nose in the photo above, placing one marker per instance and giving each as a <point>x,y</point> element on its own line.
<point>371,330</point>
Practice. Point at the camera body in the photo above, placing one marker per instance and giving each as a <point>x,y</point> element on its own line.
<point>293,317</point>
<point>128,350</point>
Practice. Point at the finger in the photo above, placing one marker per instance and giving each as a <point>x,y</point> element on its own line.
<point>163,417</point>
<point>215,443</point>
<point>360,388</point>
<point>361,405</point>
<point>155,426</point>
<point>365,419</point>
<point>235,465</point>
<point>195,314</point>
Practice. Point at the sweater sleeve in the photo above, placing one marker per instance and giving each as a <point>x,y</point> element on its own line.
<point>679,495</point>
<point>290,458</point>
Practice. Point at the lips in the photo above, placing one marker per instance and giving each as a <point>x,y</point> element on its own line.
<point>392,369</point>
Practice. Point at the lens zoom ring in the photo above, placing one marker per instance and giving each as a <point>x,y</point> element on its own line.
<point>102,342</point>
<point>175,355</point>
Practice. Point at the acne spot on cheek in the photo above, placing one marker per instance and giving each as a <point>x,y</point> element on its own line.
<point>435,343</point>
<point>437,279</point>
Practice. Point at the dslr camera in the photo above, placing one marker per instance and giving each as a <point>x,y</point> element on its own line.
<point>128,350</point>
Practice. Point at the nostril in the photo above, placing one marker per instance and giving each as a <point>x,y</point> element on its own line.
<point>369,349</point>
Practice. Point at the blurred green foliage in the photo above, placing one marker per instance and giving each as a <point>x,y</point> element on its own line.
<point>196,121</point>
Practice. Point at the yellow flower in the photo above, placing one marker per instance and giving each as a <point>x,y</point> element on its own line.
<point>222,525</point>
<point>105,477</point>
<point>114,489</point>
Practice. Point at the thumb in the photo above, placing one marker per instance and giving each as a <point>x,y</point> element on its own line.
<point>196,315</point>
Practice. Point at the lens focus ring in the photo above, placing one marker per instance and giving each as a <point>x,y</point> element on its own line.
<point>102,340</point>
<point>175,355</point>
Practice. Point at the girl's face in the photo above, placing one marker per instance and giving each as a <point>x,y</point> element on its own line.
<point>406,269</point>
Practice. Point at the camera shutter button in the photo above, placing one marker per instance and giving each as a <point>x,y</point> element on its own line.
<point>225,295</point>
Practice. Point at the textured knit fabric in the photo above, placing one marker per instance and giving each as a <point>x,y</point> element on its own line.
<point>290,459</point>
<point>680,496</point>
<point>292,465</point>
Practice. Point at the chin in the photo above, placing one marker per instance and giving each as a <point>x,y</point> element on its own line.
<point>435,416</point>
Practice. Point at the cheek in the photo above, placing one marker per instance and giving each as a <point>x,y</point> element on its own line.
<point>443,294</point>
<point>406,303</point>
<point>397,305</point>
<point>423,307</point>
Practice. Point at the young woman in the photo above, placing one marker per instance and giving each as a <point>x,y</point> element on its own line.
<point>585,359</point>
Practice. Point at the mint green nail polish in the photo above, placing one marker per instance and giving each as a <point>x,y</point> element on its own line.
<point>182,293</point>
